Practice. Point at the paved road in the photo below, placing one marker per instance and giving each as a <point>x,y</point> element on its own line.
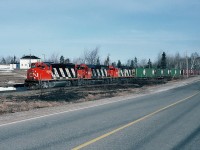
<point>166,120</point>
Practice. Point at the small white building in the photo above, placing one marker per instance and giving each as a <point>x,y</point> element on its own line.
<point>25,62</point>
<point>4,67</point>
<point>15,66</point>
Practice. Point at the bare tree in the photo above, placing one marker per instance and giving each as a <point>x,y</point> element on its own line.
<point>193,58</point>
<point>143,63</point>
<point>78,60</point>
<point>90,57</point>
<point>54,58</point>
<point>9,59</point>
<point>170,60</point>
<point>177,59</point>
<point>198,63</point>
<point>128,62</point>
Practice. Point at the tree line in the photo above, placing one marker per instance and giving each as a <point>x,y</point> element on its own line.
<point>9,60</point>
<point>163,61</point>
<point>92,57</point>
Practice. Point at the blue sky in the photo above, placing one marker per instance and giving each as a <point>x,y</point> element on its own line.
<point>123,29</point>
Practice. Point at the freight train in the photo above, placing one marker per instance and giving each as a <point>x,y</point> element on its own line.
<point>47,75</point>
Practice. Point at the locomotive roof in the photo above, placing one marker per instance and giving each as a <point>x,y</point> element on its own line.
<point>98,66</point>
<point>64,65</point>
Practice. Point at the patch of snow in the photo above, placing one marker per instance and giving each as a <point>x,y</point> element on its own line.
<point>7,88</point>
<point>5,68</point>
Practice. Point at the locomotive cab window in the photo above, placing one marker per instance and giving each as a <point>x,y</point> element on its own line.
<point>41,66</point>
<point>33,66</point>
<point>80,68</point>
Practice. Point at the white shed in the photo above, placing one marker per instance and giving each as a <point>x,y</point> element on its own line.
<point>25,62</point>
<point>15,66</point>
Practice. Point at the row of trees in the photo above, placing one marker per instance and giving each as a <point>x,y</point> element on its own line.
<point>177,61</point>
<point>9,60</point>
<point>93,57</point>
<point>163,61</point>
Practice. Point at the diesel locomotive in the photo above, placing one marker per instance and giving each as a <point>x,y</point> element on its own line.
<point>47,75</point>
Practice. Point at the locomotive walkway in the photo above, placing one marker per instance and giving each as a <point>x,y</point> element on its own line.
<point>165,120</point>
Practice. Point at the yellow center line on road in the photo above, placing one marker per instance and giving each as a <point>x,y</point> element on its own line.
<point>131,123</point>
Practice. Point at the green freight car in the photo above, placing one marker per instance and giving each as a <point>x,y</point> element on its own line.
<point>163,73</point>
<point>167,73</point>
<point>145,73</point>
<point>159,73</point>
<point>175,73</point>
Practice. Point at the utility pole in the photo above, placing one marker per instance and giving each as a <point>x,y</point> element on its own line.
<point>44,57</point>
<point>30,59</point>
<point>187,64</point>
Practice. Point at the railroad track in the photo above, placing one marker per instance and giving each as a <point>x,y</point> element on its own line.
<point>135,83</point>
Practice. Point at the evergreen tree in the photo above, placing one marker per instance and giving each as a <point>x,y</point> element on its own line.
<point>3,61</point>
<point>67,61</point>
<point>163,61</point>
<point>158,66</point>
<point>119,64</point>
<point>132,63</point>
<point>62,59</point>
<point>14,59</point>
<point>98,61</point>
<point>107,61</point>
<point>149,64</point>
<point>136,62</point>
<point>114,64</point>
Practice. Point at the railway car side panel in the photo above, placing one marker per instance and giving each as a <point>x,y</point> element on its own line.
<point>63,71</point>
<point>140,73</point>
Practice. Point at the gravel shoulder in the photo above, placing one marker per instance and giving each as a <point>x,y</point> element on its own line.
<point>94,97</point>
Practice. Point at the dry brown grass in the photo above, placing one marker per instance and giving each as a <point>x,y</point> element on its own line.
<point>28,100</point>
<point>17,106</point>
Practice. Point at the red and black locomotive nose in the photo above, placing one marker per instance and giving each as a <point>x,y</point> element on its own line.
<point>30,74</point>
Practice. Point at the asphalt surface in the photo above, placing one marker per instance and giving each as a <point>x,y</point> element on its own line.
<point>165,120</point>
